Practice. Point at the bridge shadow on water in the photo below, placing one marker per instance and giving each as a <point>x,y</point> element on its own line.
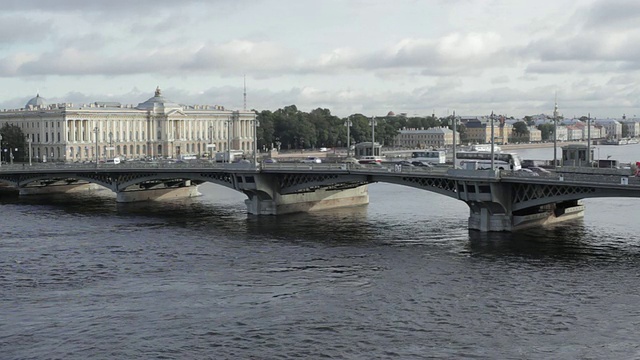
<point>355,226</point>
<point>568,242</point>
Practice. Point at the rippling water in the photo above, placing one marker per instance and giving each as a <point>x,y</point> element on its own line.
<point>83,277</point>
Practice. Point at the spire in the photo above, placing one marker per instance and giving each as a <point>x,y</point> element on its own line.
<point>245,92</point>
<point>158,91</point>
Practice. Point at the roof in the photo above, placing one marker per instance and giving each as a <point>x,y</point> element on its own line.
<point>157,102</point>
<point>35,102</point>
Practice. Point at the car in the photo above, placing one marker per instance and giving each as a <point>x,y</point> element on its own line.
<point>527,171</point>
<point>269,161</point>
<point>323,149</point>
<point>540,171</point>
<point>311,160</point>
<point>421,163</point>
<point>404,163</point>
<point>350,160</point>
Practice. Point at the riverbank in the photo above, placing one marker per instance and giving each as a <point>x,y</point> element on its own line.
<point>538,145</point>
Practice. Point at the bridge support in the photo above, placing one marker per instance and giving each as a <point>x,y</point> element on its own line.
<point>320,199</point>
<point>484,217</point>
<point>57,189</point>
<point>157,194</point>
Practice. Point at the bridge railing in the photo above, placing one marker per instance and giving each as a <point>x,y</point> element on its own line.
<point>124,165</point>
<point>610,178</point>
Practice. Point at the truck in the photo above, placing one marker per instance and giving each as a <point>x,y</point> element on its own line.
<point>230,156</point>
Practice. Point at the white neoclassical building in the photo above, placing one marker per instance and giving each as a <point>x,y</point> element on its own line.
<point>154,128</point>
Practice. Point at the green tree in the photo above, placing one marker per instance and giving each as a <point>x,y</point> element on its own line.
<point>13,142</point>
<point>520,129</point>
<point>546,131</point>
<point>529,120</point>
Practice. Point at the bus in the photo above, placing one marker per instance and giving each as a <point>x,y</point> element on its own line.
<point>481,160</point>
<point>429,156</point>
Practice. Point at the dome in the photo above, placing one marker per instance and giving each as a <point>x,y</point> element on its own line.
<point>391,113</point>
<point>35,102</point>
<point>157,102</point>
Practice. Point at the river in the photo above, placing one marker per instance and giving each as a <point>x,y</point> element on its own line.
<point>82,277</point>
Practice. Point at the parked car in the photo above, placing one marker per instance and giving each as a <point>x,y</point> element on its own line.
<point>270,161</point>
<point>312,160</point>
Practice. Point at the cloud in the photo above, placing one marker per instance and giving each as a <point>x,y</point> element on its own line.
<point>20,29</point>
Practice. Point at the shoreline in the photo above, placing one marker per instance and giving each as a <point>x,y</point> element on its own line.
<point>539,145</point>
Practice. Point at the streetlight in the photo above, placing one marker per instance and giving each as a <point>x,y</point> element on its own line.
<point>256,123</point>
<point>453,157</point>
<point>96,131</point>
<point>29,142</point>
<point>492,140</point>
<point>348,124</point>
<point>373,124</point>
<point>229,139</point>
<point>110,144</point>
<point>555,136</point>
<point>211,146</point>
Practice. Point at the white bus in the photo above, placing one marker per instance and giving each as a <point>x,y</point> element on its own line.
<point>481,160</point>
<point>429,156</point>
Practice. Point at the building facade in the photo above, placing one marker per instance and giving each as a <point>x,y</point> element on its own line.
<point>152,129</point>
<point>439,137</point>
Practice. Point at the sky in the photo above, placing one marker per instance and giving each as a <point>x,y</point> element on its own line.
<point>471,57</point>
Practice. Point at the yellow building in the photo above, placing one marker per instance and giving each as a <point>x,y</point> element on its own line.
<point>439,137</point>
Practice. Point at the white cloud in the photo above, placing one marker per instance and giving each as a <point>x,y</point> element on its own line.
<point>344,55</point>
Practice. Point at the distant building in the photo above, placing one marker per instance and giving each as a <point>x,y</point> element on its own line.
<point>535,135</point>
<point>613,127</point>
<point>157,127</point>
<point>439,137</point>
<point>631,127</point>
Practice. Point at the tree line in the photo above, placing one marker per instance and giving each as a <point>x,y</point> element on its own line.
<point>290,128</point>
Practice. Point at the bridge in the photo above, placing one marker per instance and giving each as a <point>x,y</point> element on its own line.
<point>498,200</point>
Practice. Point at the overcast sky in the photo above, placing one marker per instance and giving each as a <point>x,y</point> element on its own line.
<point>350,56</point>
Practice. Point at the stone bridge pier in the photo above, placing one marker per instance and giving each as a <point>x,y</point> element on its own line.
<point>273,194</point>
<point>495,207</point>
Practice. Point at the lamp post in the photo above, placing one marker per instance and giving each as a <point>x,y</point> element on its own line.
<point>453,156</point>
<point>348,124</point>
<point>492,138</point>
<point>589,157</point>
<point>110,144</point>
<point>30,151</point>
<point>256,123</point>
<point>555,136</point>
<point>373,124</point>
<point>96,130</point>
<point>229,139</point>
<point>210,147</point>
<point>0,150</point>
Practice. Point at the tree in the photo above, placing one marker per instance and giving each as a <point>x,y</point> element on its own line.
<point>520,129</point>
<point>13,142</point>
<point>546,131</point>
